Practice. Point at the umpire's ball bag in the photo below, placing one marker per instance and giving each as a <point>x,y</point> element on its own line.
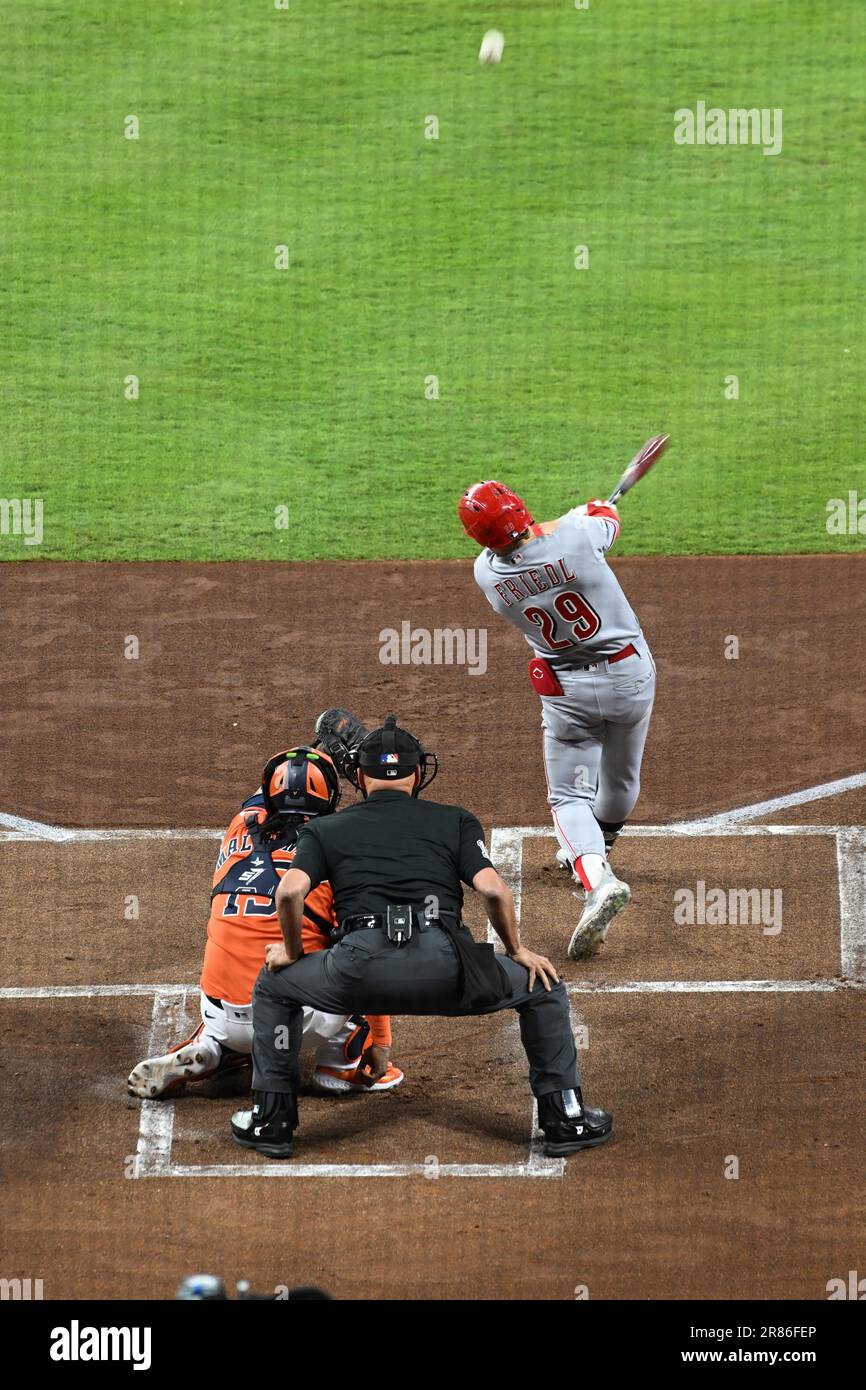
<point>483,982</point>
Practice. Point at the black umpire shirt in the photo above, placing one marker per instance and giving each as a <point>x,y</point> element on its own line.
<point>393,848</point>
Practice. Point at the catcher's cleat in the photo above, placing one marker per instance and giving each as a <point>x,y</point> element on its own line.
<point>602,904</point>
<point>337,1079</point>
<point>197,1059</point>
<point>569,1125</point>
<point>269,1126</point>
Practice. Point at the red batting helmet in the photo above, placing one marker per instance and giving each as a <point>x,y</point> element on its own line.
<point>493,515</point>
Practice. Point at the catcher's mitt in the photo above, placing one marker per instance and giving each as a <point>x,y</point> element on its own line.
<point>339,732</point>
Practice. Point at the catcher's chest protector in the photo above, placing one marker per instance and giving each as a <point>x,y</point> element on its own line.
<point>257,872</point>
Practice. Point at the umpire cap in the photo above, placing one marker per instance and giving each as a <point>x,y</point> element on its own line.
<point>391,753</point>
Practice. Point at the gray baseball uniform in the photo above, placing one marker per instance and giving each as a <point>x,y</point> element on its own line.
<point>560,592</point>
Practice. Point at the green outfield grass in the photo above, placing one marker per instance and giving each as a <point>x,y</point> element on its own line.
<point>412,258</point>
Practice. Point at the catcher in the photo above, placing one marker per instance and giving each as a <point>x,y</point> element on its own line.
<point>257,849</point>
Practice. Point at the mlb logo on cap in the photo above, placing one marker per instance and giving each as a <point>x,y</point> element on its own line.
<point>389,757</point>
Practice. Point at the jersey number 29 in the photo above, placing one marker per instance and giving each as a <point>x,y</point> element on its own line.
<point>573,608</point>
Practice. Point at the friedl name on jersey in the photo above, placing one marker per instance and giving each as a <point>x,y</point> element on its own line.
<point>534,581</point>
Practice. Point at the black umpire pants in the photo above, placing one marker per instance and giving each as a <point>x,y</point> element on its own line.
<point>366,973</point>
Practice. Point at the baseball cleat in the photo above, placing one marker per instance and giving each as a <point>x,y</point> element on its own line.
<point>158,1078</point>
<point>569,1125</point>
<point>606,899</point>
<point>337,1079</point>
<point>563,861</point>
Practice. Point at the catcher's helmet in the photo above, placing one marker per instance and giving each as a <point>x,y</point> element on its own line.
<point>301,782</point>
<point>493,515</point>
<point>390,753</point>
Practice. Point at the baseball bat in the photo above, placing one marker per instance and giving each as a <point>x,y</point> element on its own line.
<point>640,464</point>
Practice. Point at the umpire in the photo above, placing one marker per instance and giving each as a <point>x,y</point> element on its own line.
<point>396,865</point>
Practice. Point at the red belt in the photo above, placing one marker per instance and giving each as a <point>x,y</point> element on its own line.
<point>621,655</point>
<point>626,651</point>
<point>543,677</point>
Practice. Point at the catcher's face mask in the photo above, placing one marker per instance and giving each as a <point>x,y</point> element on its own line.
<point>391,753</point>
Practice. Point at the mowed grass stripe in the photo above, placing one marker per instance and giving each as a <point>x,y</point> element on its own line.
<point>412,258</point>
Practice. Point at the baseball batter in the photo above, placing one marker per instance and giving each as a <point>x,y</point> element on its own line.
<point>590,664</point>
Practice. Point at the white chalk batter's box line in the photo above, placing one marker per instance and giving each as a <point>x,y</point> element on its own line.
<point>156,1126</point>
<point>506,850</point>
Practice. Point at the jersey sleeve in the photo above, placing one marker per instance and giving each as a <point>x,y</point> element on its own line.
<point>473,851</point>
<point>603,524</point>
<point>310,856</point>
<point>480,571</point>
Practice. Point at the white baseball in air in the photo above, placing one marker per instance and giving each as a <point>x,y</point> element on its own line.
<point>491,47</point>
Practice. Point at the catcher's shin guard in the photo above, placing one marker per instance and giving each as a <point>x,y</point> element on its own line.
<point>353,1047</point>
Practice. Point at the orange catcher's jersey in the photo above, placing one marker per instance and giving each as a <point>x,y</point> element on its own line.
<point>243,923</point>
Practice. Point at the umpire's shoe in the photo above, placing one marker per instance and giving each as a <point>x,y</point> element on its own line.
<point>569,1125</point>
<point>269,1126</point>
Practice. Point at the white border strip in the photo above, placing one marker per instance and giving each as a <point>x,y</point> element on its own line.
<point>18,828</point>
<point>507,853</point>
<point>715,987</point>
<point>169,993</point>
<point>156,1119</point>
<point>34,832</point>
<point>91,991</point>
<point>778,803</point>
<point>359,1170</point>
<point>851,862</point>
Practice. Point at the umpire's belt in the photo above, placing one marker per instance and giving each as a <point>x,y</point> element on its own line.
<point>369,921</point>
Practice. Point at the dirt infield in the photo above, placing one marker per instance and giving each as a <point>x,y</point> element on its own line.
<point>235,660</point>
<point>711,1043</point>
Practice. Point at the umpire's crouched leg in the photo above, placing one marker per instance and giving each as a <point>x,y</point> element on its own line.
<point>569,1124</point>
<point>278,1027</point>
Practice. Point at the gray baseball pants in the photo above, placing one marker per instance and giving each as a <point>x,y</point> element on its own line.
<point>594,736</point>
